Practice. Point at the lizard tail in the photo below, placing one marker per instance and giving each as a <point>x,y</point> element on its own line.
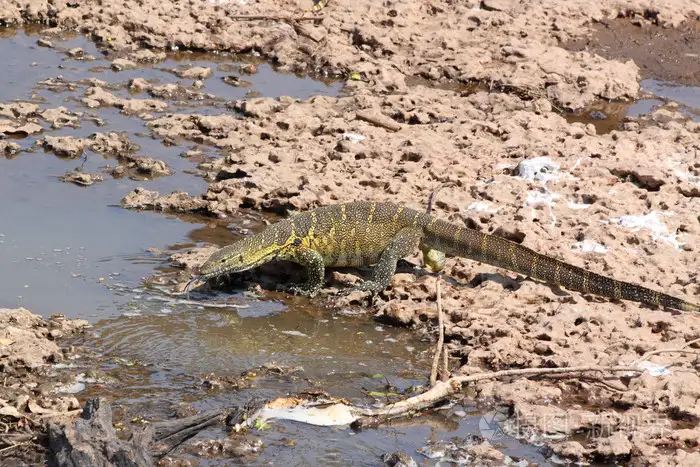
<point>501,252</point>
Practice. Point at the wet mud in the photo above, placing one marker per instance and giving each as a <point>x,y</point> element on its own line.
<point>133,148</point>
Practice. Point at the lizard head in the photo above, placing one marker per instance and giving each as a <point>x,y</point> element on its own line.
<point>245,254</point>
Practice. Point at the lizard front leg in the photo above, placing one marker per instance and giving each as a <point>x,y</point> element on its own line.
<point>403,244</point>
<point>315,268</point>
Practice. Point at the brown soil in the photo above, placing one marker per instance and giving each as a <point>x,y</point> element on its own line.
<point>286,155</point>
<point>668,54</point>
<point>31,394</point>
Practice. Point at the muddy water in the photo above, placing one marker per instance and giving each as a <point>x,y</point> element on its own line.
<point>72,250</point>
<point>608,116</point>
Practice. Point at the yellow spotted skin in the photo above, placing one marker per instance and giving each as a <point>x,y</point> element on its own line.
<point>367,233</point>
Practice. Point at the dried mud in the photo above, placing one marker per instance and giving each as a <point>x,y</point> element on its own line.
<point>623,202</point>
<point>32,394</point>
<point>668,54</point>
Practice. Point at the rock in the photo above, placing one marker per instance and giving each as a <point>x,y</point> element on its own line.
<point>192,259</point>
<point>147,56</point>
<point>399,459</point>
<point>140,198</point>
<point>485,450</point>
<point>236,81</point>
<point>499,5</point>
<point>21,130</point>
<point>139,166</point>
<point>61,117</point>
<point>65,146</point>
<point>9,148</point>
<point>570,449</point>
<point>22,326</point>
<point>76,52</point>
<point>614,447</point>
<point>195,72</point>
<point>121,64</point>
<point>82,179</point>
<point>139,84</point>
<point>258,107</point>
<point>398,312</point>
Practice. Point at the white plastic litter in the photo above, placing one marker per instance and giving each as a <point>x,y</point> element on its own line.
<point>653,369</point>
<point>332,415</point>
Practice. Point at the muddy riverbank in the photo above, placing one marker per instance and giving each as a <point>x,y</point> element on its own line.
<point>528,113</point>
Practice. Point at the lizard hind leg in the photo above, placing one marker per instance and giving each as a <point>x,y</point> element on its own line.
<point>434,260</point>
<point>403,244</point>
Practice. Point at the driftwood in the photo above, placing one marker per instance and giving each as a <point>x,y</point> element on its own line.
<point>378,120</point>
<point>444,389</point>
<point>92,441</point>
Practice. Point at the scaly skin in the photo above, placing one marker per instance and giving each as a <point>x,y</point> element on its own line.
<point>368,233</point>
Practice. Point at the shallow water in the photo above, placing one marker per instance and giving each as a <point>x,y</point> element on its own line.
<point>608,116</point>
<point>72,250</point>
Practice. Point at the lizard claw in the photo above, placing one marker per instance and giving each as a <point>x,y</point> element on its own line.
<point>365,286</point>
<point>297,289</point>
<point>189,284</point>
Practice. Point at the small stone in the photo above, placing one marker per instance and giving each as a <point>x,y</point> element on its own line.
<point>248,69</point>
<point>123,64</point>
<point>76,52</point>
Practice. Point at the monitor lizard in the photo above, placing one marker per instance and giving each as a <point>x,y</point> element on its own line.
<point>365,233</point>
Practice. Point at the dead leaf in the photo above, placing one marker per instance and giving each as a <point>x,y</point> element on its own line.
<point>36,408</point>
<point>10,411</point>
<point>6,341</point>
<point>283,402</point>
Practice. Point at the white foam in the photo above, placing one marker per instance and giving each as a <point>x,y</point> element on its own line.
<point>589,246</point>
<point>546,198</point>
<point>354,138</point>
<point>539,168</point>
<point>650,222</point>
<point>483,206</point>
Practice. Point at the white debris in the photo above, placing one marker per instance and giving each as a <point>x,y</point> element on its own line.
<point>539,168</point>
<point>483,206</point>
<point>650,222</point>
<point>535,198</point>
<point>589,246</point>
<point>71,388</point>
<point>574,205</point>
<point>331,415</point>
<point>653,369</point>
<point>354,138</point>
<point>688,177</point>
<point>294,333</point>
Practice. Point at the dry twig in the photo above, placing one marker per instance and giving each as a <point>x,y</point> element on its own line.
<point>444,389</point>
<point>378,120</point>
<point>683,350</point>
<point>441,337</point>
<point>274,18</point>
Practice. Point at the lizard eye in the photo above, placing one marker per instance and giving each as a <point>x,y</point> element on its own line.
<point>297,241</point>
<point>240,258</point>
